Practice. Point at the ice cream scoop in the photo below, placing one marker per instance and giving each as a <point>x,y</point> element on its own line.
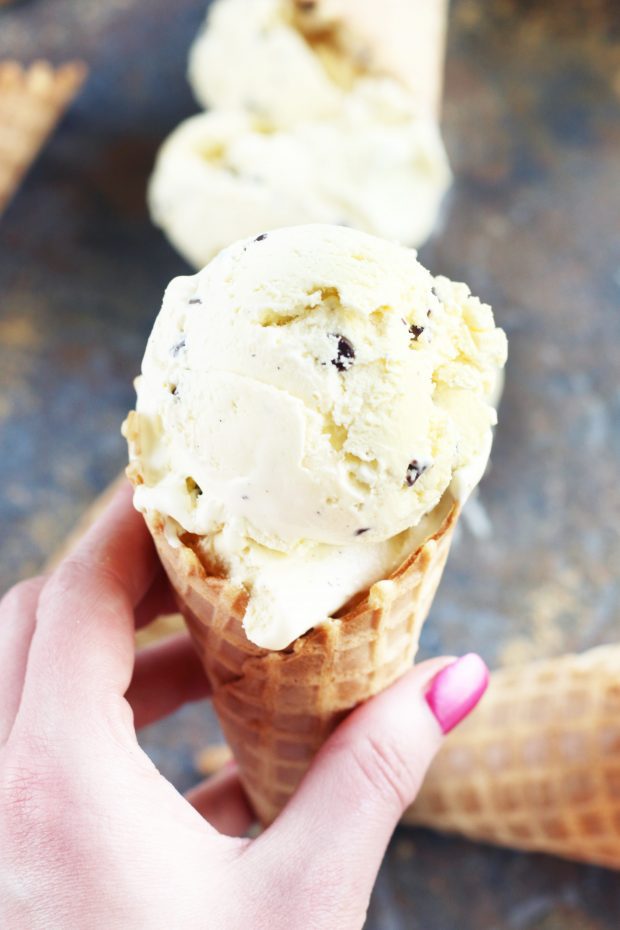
<point>279,78</point>
<point>222,175</point>
<point>306,403</point>
<point>300,61</point>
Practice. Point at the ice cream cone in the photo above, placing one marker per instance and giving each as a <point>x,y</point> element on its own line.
<point>401,38</point>
<point>32,101</point>
<point>537,765</point>
<point>300,449</point>
<point>277,708</point>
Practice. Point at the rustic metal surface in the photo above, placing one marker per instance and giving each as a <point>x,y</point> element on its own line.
<point>532,121</point>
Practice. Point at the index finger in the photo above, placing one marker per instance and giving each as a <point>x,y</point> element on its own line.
<point>84,638</point>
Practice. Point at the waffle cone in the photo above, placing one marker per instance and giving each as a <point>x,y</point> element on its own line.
<point>277,708</point>
<point>537,765</point>
<point>32,101</point>
<point>405,39</point>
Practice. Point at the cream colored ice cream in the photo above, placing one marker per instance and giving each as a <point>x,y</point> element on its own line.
<point>296,62</point>
<point>278,76</point>
<point>308,126</point>
<point>306,403</point>
<point>221,176</point>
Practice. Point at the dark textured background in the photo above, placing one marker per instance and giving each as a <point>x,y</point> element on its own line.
<point>532,123</point>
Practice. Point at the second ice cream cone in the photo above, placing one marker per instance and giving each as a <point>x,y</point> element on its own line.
<point>537,765</point>
<point>32,101</point>
<point>332,118</point>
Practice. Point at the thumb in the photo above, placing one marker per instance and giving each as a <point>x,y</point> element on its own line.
<point>368,772</point>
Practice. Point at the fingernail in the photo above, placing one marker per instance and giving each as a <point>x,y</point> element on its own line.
<point>456,690</point>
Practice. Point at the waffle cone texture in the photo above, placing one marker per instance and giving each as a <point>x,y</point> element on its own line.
<point>277,708</point>
<point>32,101</point>
<point>537,765</point>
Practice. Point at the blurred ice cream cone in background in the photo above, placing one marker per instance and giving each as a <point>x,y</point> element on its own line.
<point>329,115</point>
<point>32,101</point>
<point>299,59</point>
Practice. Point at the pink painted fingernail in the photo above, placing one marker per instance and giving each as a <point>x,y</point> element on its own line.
<point>456,690</point>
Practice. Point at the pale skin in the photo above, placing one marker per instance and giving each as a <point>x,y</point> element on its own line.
<point>92,836</point>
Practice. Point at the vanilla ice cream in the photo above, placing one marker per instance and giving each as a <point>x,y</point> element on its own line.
<point>276,75</point>
<point>306,403</point>
<point>307,125</point>
<point>287,62</point>
<point>223,175</point>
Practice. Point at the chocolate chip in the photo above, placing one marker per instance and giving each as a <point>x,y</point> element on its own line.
<point>415,470</point>
<point>261,237</point>
<point>345,354</point>
<point>416,331</point>
<point>361,531</point>
<point>177,347</point>
<point>195,300</point>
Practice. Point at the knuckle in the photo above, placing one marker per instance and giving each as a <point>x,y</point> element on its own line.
<point>21,594</point>
<point>70,574</point>
<point>62,582</point>
<point>78,574</point>
<point>386,770</point>
<point>303,892</point>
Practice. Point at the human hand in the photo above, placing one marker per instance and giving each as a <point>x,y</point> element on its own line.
<point>92,836</point>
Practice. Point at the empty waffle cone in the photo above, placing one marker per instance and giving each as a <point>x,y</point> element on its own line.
<point>537,765</point>
<point>277,708</point>
<point>405,39</point>
<point>32,101</point>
